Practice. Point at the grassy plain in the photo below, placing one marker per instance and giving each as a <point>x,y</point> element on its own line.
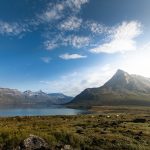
<point>112,128</point>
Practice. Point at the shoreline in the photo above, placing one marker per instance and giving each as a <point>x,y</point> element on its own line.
<point>93,131</point>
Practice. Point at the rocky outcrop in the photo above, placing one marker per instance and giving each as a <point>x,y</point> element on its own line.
<point>34,142</point>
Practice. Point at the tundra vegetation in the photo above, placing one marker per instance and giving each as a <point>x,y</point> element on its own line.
<point>108,130</point>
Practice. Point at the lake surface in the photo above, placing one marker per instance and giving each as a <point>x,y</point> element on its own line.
<point>40,111</point>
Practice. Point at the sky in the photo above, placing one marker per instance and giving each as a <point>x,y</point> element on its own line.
<point>69,45</point>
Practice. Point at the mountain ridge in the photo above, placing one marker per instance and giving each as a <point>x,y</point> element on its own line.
<point>121,89</point>
<point>15,98</point>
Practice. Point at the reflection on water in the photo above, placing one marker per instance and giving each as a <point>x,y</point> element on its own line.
<point>40,111</point>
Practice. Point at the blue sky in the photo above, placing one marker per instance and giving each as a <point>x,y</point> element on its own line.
<point>69,45</point>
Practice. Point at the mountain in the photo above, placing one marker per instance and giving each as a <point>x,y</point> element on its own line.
<point>60,98</point>
<point>37,98</point>
<point>11,97</point>
<point>53,98</point>
<point>121,89</point>
<point>15,98</point>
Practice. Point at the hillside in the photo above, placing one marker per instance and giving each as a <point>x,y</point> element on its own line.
<point>59,98</point>
<point>121,89</point>
<point>15,98</point>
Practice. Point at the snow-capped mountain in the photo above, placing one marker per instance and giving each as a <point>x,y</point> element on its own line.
<point>15,98</point>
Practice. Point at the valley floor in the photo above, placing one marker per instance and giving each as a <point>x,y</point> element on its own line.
<point>117,129</point>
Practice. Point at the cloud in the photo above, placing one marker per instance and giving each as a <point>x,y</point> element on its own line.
<point>49,45</point>
<point>76,4</point>
<point>80,41</point>
<point>71,23</point>
<point>12,29</point>
<point>72,56</point>
<point>59,17</point>
<point>71,40</point>
<point>58,10</point>
<point>77,41</point>
<point>75,82</point>
<point>96,27</point>
<point>122,38</point>
<point>53,12</point>
<point>96,76</point>
<point>46,59</point>
<point>106,67</point>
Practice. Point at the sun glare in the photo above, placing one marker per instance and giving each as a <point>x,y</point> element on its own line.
<point>138,63</point>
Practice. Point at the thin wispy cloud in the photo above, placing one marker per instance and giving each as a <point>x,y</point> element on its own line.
<point>78,81</point>
<point>96,27</point>
<point>46,59</point>
<point>72,23</point>
<point>65,14</point>
<point>77,41</point>
<point>50,44</point>
<point>58,10</point>
<point>71,56</point>
<point>73,41</point>
<point>122,38</point>
<point>52,12</point>
<point>75,5</point>
<point>12,29</point>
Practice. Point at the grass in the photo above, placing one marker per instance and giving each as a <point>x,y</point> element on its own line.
<point>116,132</point>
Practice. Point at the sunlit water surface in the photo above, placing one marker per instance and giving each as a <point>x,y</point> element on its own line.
<point>10,112</point>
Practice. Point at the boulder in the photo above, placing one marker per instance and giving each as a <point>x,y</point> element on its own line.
<point>34,142</point>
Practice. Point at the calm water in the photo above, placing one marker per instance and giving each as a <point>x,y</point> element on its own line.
<point>40,111</point>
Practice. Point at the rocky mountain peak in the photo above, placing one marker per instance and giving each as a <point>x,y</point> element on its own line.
<point>120,79</point>
<point>121,89</point>
<point>121,74</point>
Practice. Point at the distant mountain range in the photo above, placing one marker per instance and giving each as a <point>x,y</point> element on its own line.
<point>121,89</point>
<point>15,98</point>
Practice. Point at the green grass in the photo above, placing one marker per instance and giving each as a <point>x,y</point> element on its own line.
<point>81,132</point>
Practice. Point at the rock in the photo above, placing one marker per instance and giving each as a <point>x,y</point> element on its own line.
<point>34,142</point>
<point>63,147</point>
<point>79,130</point>
<point>139,120</point>
<point>107,116</point>
<point>67,147</point>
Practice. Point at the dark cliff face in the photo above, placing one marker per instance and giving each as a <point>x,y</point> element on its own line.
<point>121,89</point>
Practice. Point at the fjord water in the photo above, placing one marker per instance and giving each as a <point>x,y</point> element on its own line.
<point>54,110</point>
